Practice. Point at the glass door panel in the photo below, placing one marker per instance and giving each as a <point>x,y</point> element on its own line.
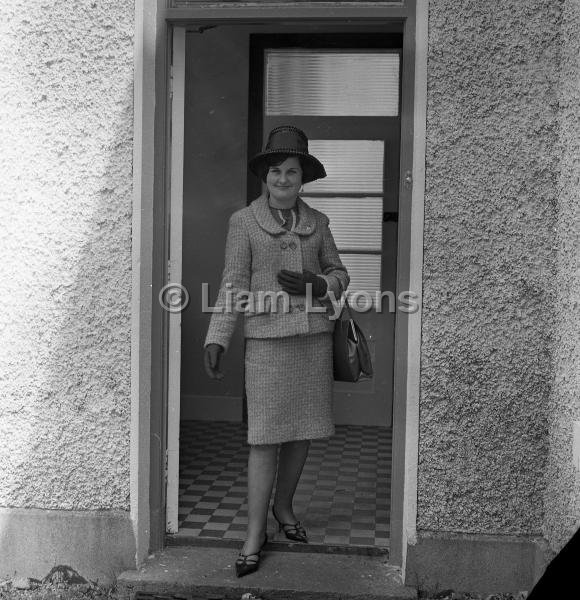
<point>332,82</point>
<point>352,166</point>
<point>365,273</point>
<point>356,223</point>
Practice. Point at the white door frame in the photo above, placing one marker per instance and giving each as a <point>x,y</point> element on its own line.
<point>177,96</point>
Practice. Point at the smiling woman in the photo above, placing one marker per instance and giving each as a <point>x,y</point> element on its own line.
<point>279,243</point>
<point>284,180</point>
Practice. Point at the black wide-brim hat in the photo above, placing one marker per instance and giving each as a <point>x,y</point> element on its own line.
<point>288,140</point>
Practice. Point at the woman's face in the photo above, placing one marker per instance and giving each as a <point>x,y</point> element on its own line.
<point>284,180</point>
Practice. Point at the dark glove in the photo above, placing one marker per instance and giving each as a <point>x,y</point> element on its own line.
<point>212,356</point>
<point>293,282</point>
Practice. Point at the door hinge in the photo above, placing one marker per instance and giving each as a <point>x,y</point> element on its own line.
<point>408,178</point>
<point>171,81</point>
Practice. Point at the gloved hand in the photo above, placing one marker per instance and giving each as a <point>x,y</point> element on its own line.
<point>212,355</point>
<point>293,282</point>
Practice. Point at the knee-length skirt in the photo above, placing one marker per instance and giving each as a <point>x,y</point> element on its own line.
<point>289,384</point>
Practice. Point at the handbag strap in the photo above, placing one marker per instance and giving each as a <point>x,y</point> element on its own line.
<point>347,307</point>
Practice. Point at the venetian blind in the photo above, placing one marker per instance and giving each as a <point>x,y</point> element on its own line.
<point>353,84</point>
<point>353,167</point>
<point>332,82</point>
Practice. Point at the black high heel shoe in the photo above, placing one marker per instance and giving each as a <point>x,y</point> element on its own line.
<point>245,566</point>
<point>293,531</point>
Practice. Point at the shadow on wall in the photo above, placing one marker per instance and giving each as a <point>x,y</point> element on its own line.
<point>67,128</point>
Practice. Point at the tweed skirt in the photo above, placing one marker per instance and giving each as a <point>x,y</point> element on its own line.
<point>289,388</point>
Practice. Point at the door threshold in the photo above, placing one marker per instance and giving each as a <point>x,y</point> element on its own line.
<point>204,573</point>
<point>278,546</point>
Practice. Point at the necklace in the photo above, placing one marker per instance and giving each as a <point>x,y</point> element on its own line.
<point>284,219</point>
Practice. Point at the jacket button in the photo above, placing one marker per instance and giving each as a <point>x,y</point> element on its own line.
<point>292,245</point>
<point>283,245</point>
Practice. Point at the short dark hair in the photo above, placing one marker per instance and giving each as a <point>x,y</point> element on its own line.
<point>273,160</point>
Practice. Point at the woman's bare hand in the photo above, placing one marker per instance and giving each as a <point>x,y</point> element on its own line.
<point>212,356</point>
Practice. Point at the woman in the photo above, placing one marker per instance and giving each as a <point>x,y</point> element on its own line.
<point>279,244</point>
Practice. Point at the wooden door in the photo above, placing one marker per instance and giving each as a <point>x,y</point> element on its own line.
<point>344,92</point>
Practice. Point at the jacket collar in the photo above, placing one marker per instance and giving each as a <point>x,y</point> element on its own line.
<point>306,222</point>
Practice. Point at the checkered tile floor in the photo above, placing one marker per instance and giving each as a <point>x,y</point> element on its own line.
<point>343,497</point>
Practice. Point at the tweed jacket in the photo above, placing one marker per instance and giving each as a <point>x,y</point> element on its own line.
<point>257,247</point>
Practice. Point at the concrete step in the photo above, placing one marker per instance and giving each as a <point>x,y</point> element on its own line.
<point>207,573</point>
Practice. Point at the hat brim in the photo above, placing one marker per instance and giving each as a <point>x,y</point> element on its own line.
<point>312,167</point>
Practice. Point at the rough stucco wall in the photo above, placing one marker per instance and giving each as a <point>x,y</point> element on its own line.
<point>488,302</point>
<point>66,128</point>
<point>562,499</point>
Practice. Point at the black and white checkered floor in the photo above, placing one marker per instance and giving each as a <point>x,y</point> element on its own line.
<point>343,497</point>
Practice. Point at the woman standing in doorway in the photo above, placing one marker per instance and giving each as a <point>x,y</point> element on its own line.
<point>277,247</point>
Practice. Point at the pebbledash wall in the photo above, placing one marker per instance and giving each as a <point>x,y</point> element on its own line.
<point>562,493</point>
<point>66,125</point>
<point>500,361</point>
<point>499,358</point>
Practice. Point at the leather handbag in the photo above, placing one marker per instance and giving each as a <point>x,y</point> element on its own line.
<point>351,356</point>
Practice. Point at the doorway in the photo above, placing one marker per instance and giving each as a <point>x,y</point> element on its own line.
<point>345,490</point>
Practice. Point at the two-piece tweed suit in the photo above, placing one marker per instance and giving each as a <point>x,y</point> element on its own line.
<point>257,248</point>
<point>288,353</point>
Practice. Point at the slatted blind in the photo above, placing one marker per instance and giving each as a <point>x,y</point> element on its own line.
<point>329,83</point>
<point>356,223</point>
<point>332,82</point>
<point>352,166</point>
<point>364,271</point>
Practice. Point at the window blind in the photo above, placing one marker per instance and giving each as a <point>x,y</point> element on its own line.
<point>356,223</point>
<point>331,82</point>
<point>364,271</point>
<point>352,166</point>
